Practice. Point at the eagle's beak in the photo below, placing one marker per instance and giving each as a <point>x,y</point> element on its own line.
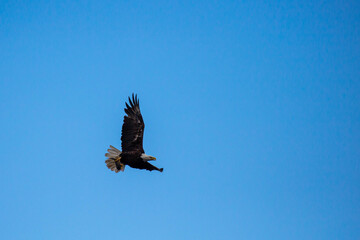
<point>153,158</point>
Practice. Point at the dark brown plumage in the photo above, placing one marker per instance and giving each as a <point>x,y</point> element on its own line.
<point>132,133</point>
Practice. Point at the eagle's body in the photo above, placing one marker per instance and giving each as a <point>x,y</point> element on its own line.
<point>132,134</point>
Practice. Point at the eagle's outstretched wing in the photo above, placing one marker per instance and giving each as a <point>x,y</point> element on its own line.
<point>133,127</point>
<point>150,167</point>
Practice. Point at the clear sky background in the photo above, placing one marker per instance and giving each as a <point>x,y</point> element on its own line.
<point>251,107</point>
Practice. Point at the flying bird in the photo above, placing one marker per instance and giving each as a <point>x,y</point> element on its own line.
<point>132,133</point>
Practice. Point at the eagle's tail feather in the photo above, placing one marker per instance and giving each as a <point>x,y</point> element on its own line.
<point>113,160</point>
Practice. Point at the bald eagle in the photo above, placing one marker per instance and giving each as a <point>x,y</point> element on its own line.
<point>132,133</point>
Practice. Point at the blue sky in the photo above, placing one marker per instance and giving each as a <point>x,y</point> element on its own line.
<point>251,108</point>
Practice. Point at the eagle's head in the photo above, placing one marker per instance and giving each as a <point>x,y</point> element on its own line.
<point>147,157</point>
